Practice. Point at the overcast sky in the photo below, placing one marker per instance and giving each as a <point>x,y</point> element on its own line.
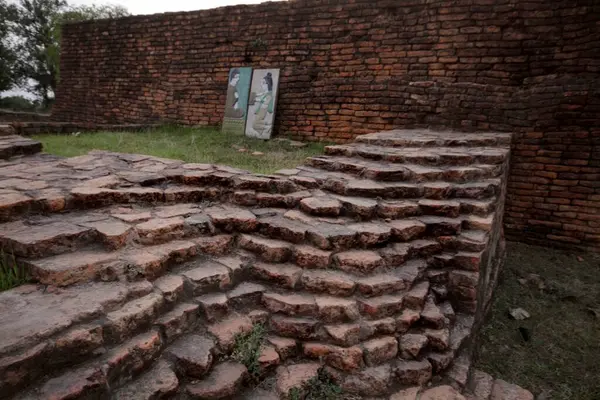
<point>159,6</point>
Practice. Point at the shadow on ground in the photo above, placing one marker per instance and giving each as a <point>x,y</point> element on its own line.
<point>556,352</point>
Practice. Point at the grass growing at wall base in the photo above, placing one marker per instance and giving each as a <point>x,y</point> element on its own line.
<point>561,291</point>
<point>200,145</point>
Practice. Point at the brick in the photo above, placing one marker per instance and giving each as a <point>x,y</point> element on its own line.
<point>224,381</point>
<point>192,355</point>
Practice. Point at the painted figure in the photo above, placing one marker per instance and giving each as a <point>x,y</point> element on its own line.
<point>263,104</point>
<point>236,104</point>
<point>232,108</point>
<point>263,97</point>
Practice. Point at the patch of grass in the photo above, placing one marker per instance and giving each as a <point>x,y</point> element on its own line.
<point>200,145</point>
<point>247,350</point>
<point>560,359</point>
<point>11,274</point>
<point>320,387</point>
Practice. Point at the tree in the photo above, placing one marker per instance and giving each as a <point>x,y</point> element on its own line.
<point>37,48</point>
<point>39,29</point>
<point>8,56</point>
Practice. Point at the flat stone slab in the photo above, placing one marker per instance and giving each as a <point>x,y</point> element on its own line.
<point>29,314</point>
<point>224,381</point>
<point>192,354</point>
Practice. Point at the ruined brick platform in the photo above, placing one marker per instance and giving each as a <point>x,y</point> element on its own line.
<point>376,261</point>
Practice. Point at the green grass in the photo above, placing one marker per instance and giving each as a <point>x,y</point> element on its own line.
<point>11,274</point>
<point>561,360</point>
<point>200,145</point>
<point>247,348</point>
<point>320,387</point>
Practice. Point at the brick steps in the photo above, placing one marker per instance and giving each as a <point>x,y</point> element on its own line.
<point>384,171</point>
<point>159,314</point>
<point>422,156</point>
<point>119,227</point>
<point>350,185</point>
<point>377,278</point>
<point>428,138</point>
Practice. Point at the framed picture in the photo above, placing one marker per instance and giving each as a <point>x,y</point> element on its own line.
<point>262,103</point>
<point>236,106</point>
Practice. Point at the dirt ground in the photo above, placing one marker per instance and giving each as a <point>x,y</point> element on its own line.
<point>556,352</point>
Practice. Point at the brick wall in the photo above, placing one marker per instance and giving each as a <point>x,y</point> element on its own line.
<point>352,67</point>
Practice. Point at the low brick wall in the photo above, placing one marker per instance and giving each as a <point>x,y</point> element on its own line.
<point>18,116</point>
<point>33,128</point>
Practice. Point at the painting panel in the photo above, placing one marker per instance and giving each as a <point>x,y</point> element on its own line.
<point>236,106</point>
<point>262,103</point>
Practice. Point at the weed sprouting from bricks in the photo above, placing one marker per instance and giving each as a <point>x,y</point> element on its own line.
<point>247,350</point>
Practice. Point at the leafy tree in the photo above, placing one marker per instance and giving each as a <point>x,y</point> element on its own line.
<point>8,56</point>
<point>39,27</point>
<point>37,48</point>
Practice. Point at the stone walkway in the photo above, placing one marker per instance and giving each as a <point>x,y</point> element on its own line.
<point>375,261</point>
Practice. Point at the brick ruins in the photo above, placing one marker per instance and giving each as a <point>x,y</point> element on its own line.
<point>376,261</point>
<point>356,67</point>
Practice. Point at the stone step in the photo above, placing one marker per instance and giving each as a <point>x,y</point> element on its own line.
<point>350,185</point>
<point>150,261</point>
<point>245,296</point>
<point>428,138</point>
<point>86,197</point>
<point>45,240</point>
<point>224,381</point>
<point>433,156</point>
<point>226,330</point>
<point>192,355</point>
<point>115,228</point>
<point>482,386</point>
<point>327,236</point>
<point>236,179</point>
<point>333,310</point>
<point>158,383</point>
<point>356,262</point>
<point>14,145</point>
<point>113,369</point>
<point>110,327</point>
<point>291,378</point>
<point>385,171</point>
<point>6,130</point>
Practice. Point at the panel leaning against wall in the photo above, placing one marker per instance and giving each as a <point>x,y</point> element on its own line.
<point>263,99</point>
<point>238,87</point>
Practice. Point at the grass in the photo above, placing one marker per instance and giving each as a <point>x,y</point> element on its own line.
<point>561,291</point>
<point>199,145</point>
<point>11,274</point>
<point>247,350</point>
<point>320,387</point>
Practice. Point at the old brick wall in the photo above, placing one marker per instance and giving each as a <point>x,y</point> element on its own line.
<point>352,67</point>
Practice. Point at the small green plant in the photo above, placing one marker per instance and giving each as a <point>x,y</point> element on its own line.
<point>320,387</point>
<point>11,274</point>
<point>258,44</point>
<point>247,350</point>
<point>295,394</point>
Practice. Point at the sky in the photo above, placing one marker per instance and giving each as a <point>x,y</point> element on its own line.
<point>149,7</point>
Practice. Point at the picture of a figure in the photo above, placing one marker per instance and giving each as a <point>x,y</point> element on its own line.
<point>238,87</point>
<point>263,98</point>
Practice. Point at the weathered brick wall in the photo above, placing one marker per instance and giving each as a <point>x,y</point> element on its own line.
<point>352,67</point>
